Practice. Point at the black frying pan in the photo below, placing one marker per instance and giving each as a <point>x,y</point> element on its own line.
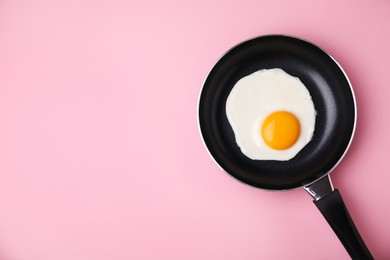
<point>334,102</point>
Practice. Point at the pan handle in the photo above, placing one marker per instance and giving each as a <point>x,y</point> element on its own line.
<point>332,207</point>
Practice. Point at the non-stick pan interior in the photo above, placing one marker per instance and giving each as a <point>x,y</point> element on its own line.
<point>332,97</point>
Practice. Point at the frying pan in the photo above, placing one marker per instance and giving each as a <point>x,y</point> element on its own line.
<point>334,103</point>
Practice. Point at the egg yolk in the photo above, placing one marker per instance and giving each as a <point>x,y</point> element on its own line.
<point>280,130</point>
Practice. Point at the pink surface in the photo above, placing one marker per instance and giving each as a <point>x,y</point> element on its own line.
<point>100,155</point>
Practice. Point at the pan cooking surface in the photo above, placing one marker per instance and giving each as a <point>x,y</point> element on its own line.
<point>331,93</point>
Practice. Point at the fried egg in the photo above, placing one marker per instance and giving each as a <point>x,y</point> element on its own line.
<point>272,115</point>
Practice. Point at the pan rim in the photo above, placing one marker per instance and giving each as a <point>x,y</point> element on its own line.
<point>351,137</point>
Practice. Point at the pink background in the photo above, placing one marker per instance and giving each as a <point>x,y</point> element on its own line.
<point>100,155</point>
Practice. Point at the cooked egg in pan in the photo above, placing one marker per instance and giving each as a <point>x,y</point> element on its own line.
<point>272,115</point>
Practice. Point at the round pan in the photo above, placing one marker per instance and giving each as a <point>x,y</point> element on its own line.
<point>332,97</point>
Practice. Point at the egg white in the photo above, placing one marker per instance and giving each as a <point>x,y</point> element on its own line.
<point>259,94</point>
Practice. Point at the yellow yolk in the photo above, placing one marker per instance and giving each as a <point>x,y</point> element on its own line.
<point>280,130</point>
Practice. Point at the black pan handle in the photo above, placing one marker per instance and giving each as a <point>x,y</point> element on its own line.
<point>333,209</point>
